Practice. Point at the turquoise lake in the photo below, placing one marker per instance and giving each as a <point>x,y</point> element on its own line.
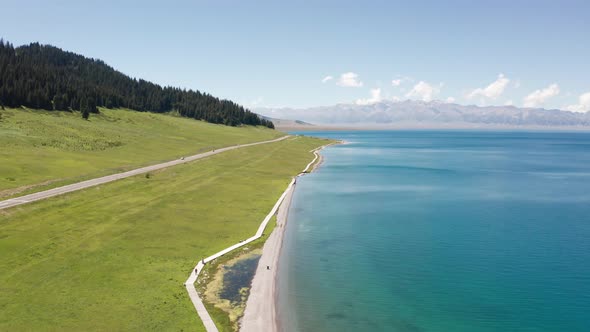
<point>441,231</point>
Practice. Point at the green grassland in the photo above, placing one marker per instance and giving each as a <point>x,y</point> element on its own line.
<point>114,257</point>
<point>43,149</point>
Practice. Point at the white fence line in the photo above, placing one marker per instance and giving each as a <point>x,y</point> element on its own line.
<point>190,282</point>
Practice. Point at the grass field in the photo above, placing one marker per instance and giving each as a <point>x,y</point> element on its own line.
<point>42,149</point>
<point>114,257</point>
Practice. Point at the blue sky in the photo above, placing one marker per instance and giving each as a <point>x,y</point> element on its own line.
<point>271,53</point>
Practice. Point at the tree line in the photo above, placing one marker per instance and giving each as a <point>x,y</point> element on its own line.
<point>47,77</point>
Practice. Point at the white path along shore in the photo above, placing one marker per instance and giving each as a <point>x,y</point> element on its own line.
<point>261,306</point>
<point>109,178</point>
<point>190,282</point>
<point>260,313</point>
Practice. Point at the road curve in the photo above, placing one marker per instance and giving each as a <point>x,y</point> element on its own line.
<point>113,177</point>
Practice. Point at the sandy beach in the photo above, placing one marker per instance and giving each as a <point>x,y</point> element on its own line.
<point>260,313</point>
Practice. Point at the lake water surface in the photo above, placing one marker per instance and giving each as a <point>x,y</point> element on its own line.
<point>441,231</point>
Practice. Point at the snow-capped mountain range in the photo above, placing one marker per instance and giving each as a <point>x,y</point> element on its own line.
<point>431,114</point>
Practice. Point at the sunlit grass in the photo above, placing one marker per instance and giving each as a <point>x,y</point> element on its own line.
<point>114,257</point>
<point>45,149</point>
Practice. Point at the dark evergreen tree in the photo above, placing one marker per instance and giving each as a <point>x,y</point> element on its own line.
<point>85,114</point>
<point>59,102</point>
<point>85,109</point>
<point>46,77</point>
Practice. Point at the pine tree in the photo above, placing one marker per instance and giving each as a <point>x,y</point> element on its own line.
<point>85,109</point>
<point>46,77</point>
<point>58,102</point>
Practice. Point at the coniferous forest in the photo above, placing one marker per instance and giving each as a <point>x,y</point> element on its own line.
<point>47,77</point>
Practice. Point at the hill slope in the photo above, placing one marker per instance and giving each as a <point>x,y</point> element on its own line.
<point>55,148</point>
<point>46,77</point>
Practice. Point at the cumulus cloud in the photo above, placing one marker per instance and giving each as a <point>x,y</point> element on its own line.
<point>327,78</point>
<point>450,99</point>
<point>538,97</point>
<point>492,91</point>
<point>583,104</point>
<point>375,98</point>
<point>423,91</point>
<point>396,82</point>
<point>350,80</point>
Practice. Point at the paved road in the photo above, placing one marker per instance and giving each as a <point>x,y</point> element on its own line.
<point>109,178</point>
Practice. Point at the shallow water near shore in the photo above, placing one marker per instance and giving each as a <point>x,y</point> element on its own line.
<point>238,277</point>
<point>441,231</point>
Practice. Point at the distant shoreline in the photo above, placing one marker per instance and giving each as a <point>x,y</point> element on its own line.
<point>473,127</point>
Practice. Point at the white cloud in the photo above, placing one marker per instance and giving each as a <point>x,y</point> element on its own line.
<point>509,102</point>
<point>350,79</point>
<point>423,91</point>
<point>492,91</point>
<point>538,97</point>
<point>450,99</point>
<point>396,82</point>
<point>375,98</point>
<point>516,84</point>
<point>259,101</point>
<point>583,104</point>
<point>327,78</point>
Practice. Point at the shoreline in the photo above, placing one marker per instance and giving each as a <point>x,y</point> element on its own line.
<point>261,313</point>
<point>190,282</point>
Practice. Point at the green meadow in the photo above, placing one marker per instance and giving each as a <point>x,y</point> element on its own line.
<point>114,257</point>
<point>42,149</point>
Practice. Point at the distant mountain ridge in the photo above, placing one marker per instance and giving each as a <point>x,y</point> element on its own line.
<point>434,113</point>
<point>290,124</point>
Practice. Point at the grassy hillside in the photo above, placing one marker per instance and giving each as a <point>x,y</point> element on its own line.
<point>52,148</point>
<point>47,77</point>
<point>115,257</point>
